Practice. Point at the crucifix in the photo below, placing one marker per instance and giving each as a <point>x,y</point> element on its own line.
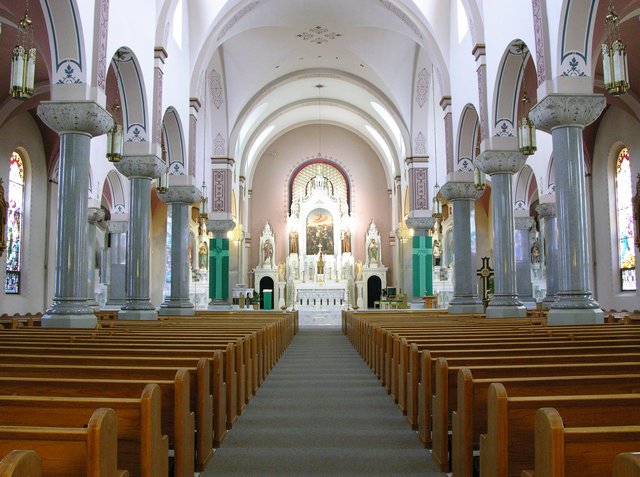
<point>485,272</point>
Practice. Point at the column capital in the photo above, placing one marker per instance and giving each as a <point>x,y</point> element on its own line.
<point>81,117</point>
<point>452,190</point>
<point>547,209</point>
<point>420,223</point>
<point>117,226</point>
<point>147,166</point>
<point>187,194</point>
<point>563,110</point>
<point>95,215</point>
<point>219,228</point>
<point>500,162</point>
<point>523,223</point>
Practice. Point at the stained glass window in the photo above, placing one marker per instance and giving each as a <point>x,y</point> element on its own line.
<point>14,224</point>
<point>624,209</point>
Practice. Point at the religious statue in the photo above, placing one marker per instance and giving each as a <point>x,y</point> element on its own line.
<point>358,270</point>
<point>437,252</point>
<point>346,241</point>
<point>281,272</point>
<point>293,242</point>
<point>267,252</point>
<point>3,219</point>
<point>203,256</point>
<point>373,251</point>
<point>535,253</point>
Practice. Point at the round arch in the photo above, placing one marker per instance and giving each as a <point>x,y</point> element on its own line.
<point>467,138</point>
<point>173,140</point>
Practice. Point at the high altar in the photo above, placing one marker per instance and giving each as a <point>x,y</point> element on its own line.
<point>318,275</point>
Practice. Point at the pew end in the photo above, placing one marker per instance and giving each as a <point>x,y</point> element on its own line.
<point>21,463</point>
<point>626,464</point>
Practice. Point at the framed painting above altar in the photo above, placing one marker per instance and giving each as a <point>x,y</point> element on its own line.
<point>319,232</point>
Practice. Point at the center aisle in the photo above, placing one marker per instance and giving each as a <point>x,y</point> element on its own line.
<point>321,412</point>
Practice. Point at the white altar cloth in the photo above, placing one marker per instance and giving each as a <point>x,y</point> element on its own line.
<point>320,304</point>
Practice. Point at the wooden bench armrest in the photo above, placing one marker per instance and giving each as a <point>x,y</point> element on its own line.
<point>21,463</point>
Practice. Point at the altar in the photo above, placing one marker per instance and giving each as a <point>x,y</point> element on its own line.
<point>320,304</point>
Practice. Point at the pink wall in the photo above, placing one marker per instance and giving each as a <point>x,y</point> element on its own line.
<point>369,187</point>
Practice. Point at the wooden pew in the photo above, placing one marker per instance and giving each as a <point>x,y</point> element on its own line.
<point>507,447</point>
<point>583,451</point>
<point>626,464</point>
<point>67,451</point>
<point>178,422</point>
<point>21,463</point>
<point>469,421</point>
<point>200,401</point>
<point>142,449</point>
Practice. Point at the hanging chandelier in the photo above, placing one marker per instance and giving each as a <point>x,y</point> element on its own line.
<point>526,129</point>
<point>436,209</point>
<point>115,138</point>
<point>479,179</point>
<point>163,181</point>
<point>23,60</point>
<point>614,56</point>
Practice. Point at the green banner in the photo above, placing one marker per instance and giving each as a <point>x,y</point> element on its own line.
<point>422,266</point>
<point>219,268</point>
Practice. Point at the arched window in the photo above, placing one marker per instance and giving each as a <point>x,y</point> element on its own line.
<point>14,224</point>
<point>624,214</point>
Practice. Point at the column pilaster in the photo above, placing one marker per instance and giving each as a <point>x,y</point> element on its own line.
<point>547,214</point>
<point>140,170</point>
<point>523,259</point>
<point>94,216</point>
<point>565,117</point>
<point>76,122</point>
<point>463,196</point>
<point>179,198</point>
<point>501,165</point>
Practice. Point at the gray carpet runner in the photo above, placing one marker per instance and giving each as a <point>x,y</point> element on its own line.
<point>321,412</point>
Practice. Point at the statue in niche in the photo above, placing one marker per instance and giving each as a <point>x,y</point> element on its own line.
<point>358,270</point>
<point>203,255</point>
<point>437,252</point>
<point>535,253</point>
<point>293,242</point>
<point>267,252</point>
<point>346,241</point>
<point>373,251</point>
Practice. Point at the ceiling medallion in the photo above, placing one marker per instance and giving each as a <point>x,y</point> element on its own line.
<point>318,35</point>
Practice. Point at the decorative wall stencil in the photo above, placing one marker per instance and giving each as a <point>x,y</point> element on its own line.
<point>236,18</point>
<point>318,35</point>
<point>218,145</point>
<point>504,128</point>
<point>510,76</point>
<point>64,36</point>
<point>401,15</point>
<point>520,205</point>
<point>69,75</point>
<point>448,135</point>
<point>176,169</point>
<point>538,26</point>
<point>193,126</point>
<point>132,95</point>
<point>573,65</point>
<point>219,182</point>
<point>157,100</point>
<point>482,101</point>
<point>465,164</point>
<point>421,144</point>
<point>577,27</point>
<point>217,92</point>
<point>422,87</point>
<point>418,177</point>
<point>103,26</point>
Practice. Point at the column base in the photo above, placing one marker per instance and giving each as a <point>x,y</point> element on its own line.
<point>580,316</point>
<point>465,309</point>
<point>137,315</point>
<point>513,311</point>
<point>69,321</point>
<point>548,301</point>
<point>168,311</point>
<point>220,305</point>
<point>528,302</point>
<point>115,304</point>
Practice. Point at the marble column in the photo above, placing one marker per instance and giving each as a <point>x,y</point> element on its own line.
<point>501,165</point>
<point>565,116</point>
<point>180,199</point>
<point>95,215</point>
<point>465,298</point>
<point>547,215</point>
<point>76,122</point>
<point>140,170</point>
<point>523,260</point>
<point>117,230</point>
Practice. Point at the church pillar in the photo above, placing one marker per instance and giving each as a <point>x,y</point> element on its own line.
<point>117,247</point>
<point>180,199</point>
<point>219,224</point>
<point>140,170</point>
<point>501,165</point>
<point>565,116</point>
<point>547,214</point>
<point>463,196</point>
<point>96,214</point>
<point>76,122</point>
<point>523,258</point>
